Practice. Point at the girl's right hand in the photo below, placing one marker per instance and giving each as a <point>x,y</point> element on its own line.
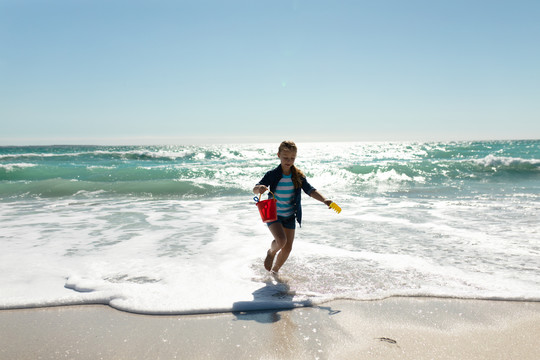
<point>262,189</point>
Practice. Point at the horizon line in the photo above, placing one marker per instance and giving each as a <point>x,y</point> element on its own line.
<point>213,140</point>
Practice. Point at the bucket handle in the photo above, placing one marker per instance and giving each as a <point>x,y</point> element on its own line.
<point>259,199</point>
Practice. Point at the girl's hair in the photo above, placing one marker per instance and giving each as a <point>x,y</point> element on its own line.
<point>297,174</point>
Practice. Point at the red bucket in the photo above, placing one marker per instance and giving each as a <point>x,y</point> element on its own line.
<point>268,210</point>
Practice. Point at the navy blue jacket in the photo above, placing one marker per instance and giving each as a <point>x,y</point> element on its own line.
<point>271,179</point>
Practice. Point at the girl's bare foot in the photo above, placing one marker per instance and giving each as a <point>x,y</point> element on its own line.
<point>269,261</point>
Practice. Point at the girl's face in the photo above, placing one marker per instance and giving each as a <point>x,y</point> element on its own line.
<point>287,158</point>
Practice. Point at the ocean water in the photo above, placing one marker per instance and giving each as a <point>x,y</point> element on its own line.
<point>174,229</point>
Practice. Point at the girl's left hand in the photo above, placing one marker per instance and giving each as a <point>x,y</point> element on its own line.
<point>328,202</point>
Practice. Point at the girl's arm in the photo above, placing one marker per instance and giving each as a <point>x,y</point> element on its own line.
<point>318,196</point>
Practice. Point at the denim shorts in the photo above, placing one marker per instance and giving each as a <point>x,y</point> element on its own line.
<point>287,222</point>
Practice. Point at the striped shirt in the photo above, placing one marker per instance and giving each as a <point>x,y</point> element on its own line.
<point>284,196</point>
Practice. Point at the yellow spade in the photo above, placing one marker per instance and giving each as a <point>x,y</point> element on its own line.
<point>335,207</point>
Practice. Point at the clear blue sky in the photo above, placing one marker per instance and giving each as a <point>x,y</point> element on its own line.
<point>106,71</point>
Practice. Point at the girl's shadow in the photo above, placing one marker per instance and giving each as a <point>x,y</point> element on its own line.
<point>268,301</point>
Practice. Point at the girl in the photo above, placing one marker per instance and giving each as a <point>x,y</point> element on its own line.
<point>285,182</point>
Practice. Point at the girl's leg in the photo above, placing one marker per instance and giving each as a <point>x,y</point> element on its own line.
<point>280,240</point>
<point>285,251</point>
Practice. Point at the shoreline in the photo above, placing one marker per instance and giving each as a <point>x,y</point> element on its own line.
<point>267,307</point>
<point>397,327</point>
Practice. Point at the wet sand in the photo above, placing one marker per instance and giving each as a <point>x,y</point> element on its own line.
<point>395,328</point>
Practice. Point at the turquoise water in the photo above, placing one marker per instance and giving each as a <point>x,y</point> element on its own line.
<point>226,170</point>
<point>142,227</point>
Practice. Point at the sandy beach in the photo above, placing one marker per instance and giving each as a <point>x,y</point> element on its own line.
<point>395,328</point>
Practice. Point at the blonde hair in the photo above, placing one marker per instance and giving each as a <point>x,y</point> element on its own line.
<point>296,174</point>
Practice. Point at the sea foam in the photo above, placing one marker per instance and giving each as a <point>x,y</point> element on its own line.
<point>168,233</point>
